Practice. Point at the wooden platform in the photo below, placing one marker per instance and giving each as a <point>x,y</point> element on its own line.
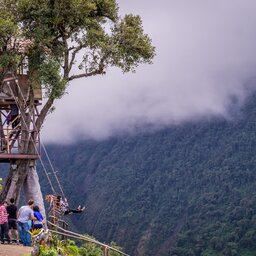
<point>6,158</point>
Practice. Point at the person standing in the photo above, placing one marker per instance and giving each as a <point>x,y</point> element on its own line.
<point>25,214</point>
<point>38,223</point>
<point>4,222</point>
<point>12,220</point>
<point>13,116</point>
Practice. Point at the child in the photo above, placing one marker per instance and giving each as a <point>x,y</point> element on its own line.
<point>4,223</point>
<point>39,221</point>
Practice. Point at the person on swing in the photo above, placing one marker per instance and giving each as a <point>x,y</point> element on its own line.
<point>64,207</point>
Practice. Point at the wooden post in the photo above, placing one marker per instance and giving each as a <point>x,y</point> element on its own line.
<point>8,140</point>
<point>105,251</point>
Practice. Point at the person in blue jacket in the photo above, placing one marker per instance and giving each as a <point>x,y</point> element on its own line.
<point>39,219</point>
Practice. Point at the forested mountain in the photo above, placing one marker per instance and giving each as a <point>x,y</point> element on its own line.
<point>187,190</point>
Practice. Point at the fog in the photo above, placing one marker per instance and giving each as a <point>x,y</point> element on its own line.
<point>205,60</point>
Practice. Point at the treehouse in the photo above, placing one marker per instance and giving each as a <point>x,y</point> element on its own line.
<point>17,112</point>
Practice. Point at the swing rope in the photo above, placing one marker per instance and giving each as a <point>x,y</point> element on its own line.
<point>45,151</point>
<point>54,172</point>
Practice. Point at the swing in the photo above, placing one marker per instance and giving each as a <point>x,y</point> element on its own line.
<point>60,207</point>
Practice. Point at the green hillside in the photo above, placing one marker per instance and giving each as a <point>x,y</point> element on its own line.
<point>184,191</point>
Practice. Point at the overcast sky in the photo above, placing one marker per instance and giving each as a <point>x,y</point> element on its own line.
<point>206,57</point>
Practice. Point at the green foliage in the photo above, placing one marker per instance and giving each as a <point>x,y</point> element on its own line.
<point>8,22</point>
<point>49,76</point>
<point>132,46</point>
<point>67,40</point>
<point>114,245</point>
<point>52,24</point>
<point>49,252</point>
<point>58,247</point>
<point>72,250</point>
<point>90,249</point>
<point>9,57</point>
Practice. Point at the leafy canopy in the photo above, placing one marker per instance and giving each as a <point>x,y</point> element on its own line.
<point>70,39</point>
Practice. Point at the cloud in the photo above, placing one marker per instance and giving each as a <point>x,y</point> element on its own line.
<point>205,59</point>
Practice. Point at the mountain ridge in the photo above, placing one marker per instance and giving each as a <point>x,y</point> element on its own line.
<point>137,188</point>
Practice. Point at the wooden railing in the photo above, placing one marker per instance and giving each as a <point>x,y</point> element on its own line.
<point>105,248</point>
<point>11,138</point>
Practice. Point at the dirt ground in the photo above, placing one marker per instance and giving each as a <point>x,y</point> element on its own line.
<point>14,250</point>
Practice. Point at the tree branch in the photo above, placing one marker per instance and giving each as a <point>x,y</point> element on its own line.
<point>74,53</point>
<point>98,71</point>
<point>66,55</point>
<point>43,113</point>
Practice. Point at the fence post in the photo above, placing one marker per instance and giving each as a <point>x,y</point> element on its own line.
<point>105,251</point>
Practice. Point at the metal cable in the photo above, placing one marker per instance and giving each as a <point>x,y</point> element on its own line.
<point>47,156</point>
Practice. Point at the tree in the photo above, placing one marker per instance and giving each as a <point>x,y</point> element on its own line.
<point>64,40</point>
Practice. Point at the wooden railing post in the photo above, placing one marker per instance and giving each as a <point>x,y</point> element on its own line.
<point>105,251</point>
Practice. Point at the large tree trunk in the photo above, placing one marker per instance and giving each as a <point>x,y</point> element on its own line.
<point>23,174</point>
<point>32,188</point>
<point>14,181</point>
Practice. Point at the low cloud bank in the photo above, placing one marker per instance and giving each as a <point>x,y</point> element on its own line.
<point>205,61</point>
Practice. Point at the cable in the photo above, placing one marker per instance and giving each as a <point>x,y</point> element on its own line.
<point>47,156</point>
<point>56,177</point>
